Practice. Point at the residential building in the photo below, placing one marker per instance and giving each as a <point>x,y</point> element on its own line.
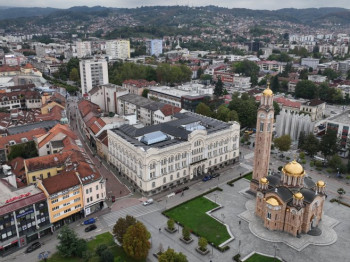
<point>161,156</point>
<point>64,197</point>
<point>24,217</point>
<point>315,108</point>
<point>7,142</point>
<point>43,167</point>
<point>20,99</point>
<point>55,140</point>
<point>317,78</point>
<point>272,66</point>
<point>118,49</point>
<point>147,111</point>
<point>93,186</point>
<point>47,125</point>
<point>154,47</point>
<point>106,96</point>
<point>310,62</point>
<point>93,73</point>
<point>137,86</point>
<point>83,49</point>
<point>341,124</point>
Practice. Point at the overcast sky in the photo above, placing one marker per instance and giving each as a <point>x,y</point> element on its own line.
<point>251,4</point>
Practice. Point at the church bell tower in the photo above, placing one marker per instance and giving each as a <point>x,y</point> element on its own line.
<point>264,128</point>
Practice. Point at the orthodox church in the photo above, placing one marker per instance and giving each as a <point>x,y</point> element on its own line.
<point>287,201</point>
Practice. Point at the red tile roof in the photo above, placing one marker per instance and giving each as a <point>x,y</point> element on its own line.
<point>87,173</point>
<point>17,138</point>
<point>283,101</point>
<point>61,182</point>
<point>169,110</point>
<point>57,129</point>
<point>139,83</point>
<point>95,124</point>
<point>6,68</point>
<point>55,114</point>
<point>85,107</point>
<point>17,168</point>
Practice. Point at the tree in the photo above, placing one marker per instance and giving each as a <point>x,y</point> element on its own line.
<point>25,150</point>
<point>276,108</point>
<point>100,249</point>
<point>145,92</point>
<point>204,110</point>
<point>135,241</point>
<point>107,256</point>
<point>69,244</point>
<point>275,84</point>
<point>341,192</point>
<point>330,73</point>
<point>311,144</point>
<point>304,74</point>
<point>171,256</point>
<point>186,234</point>
<point>306,89</point>
<point>202,243</point>
<point>224,114</point>
<point>74,75</point>
<point>283,143</point>
<point>246,109</point>
<point>171,224</point>
<point>121,227</point>
<point>199,72</point>
<point>335,162</point>
<point>247,68</point>
<point>348,75</point>
<point>219,88</point>
<point>329,143</point>
<point>301,140</point>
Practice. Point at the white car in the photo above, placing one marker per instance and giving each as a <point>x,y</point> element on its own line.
<point>148,202</point>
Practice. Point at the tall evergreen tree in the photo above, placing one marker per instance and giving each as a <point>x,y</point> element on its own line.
<point>219,88</point>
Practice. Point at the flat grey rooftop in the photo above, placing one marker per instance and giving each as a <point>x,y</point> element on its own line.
<point>343,118</point>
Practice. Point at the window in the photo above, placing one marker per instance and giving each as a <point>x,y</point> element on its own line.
<point>48,174</point>
<point>54,201</point>
<point>67,210</point>
<point>87,191</point>
<point>97,187</point>
<point>91,199</point>
<point>90,189</point>
<point>164,180</point>
<point>153,184</point>
<point>65,196</point>
<point>97,196</point>
<point>55,208</point>
<point>261,126</point>
<point>268,215</point>
<point>77,199</point>
<point>34,178</point>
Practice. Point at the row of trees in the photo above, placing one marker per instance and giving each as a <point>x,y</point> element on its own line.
<point>309,90</point>
<point>69,71</point>
<point>329,146</point>
<point>163,73</point>
<point>223,113</point>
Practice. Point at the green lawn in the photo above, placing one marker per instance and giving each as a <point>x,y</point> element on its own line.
<point>249,176</point>
<point>192,214</point>
<point>261,258</point>
<point>105,238</point>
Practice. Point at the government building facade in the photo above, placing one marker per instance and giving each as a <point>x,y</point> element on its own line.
<point>289,200</point>
<point>165,155</point>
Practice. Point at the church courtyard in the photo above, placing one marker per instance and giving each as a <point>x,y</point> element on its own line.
<point>234,200</point>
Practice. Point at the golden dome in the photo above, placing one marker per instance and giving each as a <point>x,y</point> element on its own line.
<point>320,183</point>
<point>267,92</point>
<point>298,196</point>
<point>293,168</point>
<point>264,180</point>
<point>273,201</point>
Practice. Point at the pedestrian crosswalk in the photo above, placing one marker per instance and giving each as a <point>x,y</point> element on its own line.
<point>135,211</point>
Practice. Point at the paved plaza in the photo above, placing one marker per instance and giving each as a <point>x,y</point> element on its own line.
<point>235,203</point>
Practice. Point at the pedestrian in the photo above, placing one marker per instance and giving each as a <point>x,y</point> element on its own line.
<point>239,222</point>
<point>240,174</point>
<point>182,193</point>
<point>160,230</point>
<point>121,192</point>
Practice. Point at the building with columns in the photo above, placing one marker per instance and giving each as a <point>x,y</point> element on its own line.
<point>287,201</point>
<point>163,156</point>
<point>264,128</point>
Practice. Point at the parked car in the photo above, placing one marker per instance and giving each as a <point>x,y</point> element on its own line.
<point>90,228</point>
<point>180,190</point>
<point>148,202</point>
<point>215,175</point>
<point>33,247</point>
<point>206,178</point>
<point>89,221</point>
<point>113,199</point>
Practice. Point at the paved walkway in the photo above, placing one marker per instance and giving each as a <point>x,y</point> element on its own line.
<point>328,236</point>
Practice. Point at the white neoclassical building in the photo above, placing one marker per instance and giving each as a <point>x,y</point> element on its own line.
<point>168,154</point>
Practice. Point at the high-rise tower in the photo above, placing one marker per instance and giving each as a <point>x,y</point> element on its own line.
<point>264,127</point>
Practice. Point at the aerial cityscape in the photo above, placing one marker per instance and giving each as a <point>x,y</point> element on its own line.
<point>174,132</point>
